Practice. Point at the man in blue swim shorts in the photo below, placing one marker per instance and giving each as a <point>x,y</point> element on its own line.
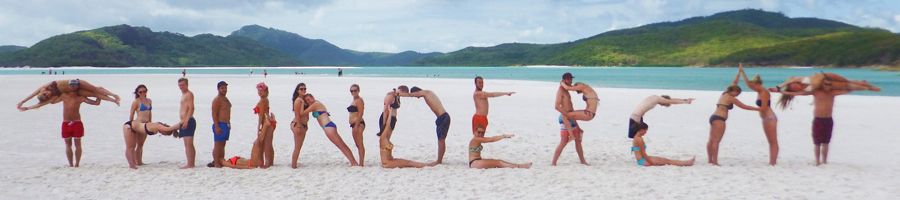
<point>221,114</point>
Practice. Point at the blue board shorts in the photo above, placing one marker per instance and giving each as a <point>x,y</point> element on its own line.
<point>189,131</point>
<point>226,131</point>
<point>442,125</point>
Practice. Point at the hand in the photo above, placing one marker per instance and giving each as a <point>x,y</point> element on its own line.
<point>690,100</point>
<point>184,125</point>
<point>218,130</point>
<point>508,135</point>
<point>21,109</point>
<point>510,93</point>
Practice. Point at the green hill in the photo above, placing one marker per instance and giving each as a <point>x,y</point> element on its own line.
<point>721,39</point>
<point>125,45</point>
<point>10,48</point>
<point>321,52</point>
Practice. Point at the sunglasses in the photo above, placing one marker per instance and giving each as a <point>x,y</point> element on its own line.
<point>142,91</point>
<point>303,89</point>
<point>354,90</point>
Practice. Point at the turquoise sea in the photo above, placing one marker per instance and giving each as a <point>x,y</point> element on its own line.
<point>688,78</point>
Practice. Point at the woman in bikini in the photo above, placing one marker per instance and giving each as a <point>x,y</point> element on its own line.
<point>256,154</point>
<point>319,112</point>
<point>391,104</point>
<point>132,129</point>
<point>769,120</point>
<point>475,147</point>
<point>141,111</point>
<point>726,102</point>
<point>357,109</point>
<point>299,124</point>
<point>266,124</point>
<point>589,95</point>
<point>640,152</point>
<point>794,86</point>
<point>50,93</point>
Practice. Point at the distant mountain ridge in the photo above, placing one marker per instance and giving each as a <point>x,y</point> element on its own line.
<point>750,36</point>
<point>321,52</point>
<point>721,39</point>
<point>124,45</point>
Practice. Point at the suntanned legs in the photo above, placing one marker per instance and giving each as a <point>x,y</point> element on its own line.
<point>402,163</point>
<point>358,139</point>
<point>299,136</point>
<point>563,141</point>
<point>269,148</point>
<point>218,153</point>
<point>130,143</point>
<point>139,148</point>
<point>660,161</point>
<point>716,131</point>
<point>69,151</point>
<point>821,151</point>
<point>770,127</point>
<point>494,163</point>
<point>442,146</point>
<point>332,135</point>
<point>189,151</point>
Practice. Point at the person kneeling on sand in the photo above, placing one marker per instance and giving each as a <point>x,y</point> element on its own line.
<point>475,160</point>
<point>640,152</point>
<point>256,153</point>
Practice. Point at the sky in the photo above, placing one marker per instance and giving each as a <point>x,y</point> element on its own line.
<point>400,25</point>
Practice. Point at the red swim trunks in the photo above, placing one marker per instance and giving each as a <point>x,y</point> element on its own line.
<point>72,129</point>
<point>822,128</point>
<point>479,121</point>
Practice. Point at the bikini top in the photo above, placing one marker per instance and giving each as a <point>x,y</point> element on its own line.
<point>729,106</point>
<point>317,113</point>
<point>256,110</point>
<point>143,107</point>
<point>637,148</point>
<point>396,103</point>
<point>352,108</point>
<point>759,102</point>
<point>476,149</point>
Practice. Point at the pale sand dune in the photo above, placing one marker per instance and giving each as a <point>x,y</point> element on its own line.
<point>863,159</point>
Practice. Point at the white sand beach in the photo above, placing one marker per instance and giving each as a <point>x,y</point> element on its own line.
<point>863,157</point>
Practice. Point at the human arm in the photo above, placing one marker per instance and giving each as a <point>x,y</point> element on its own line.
<point>134,107</point>
<point>41,104</point>
<point>737,77</point>
<point>743,74</point>
<point>32,95</point>
<point>188,104</point>
<point>676,101</point>
<point>492,138</point>
<point>496,94</point>
<point>740,104</point>
<point>95,101</point>
<point>150,114</point>
<point>215,115</point>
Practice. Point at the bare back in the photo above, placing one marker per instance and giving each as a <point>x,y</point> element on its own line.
<point>433,102</point>
<point>642,108</point>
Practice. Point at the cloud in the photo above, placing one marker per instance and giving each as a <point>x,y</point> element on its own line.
<point>399,25</point>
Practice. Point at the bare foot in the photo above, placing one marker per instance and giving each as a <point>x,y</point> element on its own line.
<point>132,167</point>
<point>295,165</point>
<point>585,163</point>
<point>186,167</point>
<point>525,166</point>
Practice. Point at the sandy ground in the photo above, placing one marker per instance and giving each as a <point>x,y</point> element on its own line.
<point>863,160</point>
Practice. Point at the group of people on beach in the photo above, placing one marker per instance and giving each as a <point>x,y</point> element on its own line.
<point>822,86</point>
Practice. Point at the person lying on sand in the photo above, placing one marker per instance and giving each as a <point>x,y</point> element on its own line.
<point>640,151</point>
<point>50,93</point>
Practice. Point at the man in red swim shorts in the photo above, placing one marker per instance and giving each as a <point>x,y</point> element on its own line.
<point>72,128</point>
<point>479,120</point>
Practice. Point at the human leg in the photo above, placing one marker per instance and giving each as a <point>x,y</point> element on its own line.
<point>581,115</point>
<point>716,131</point>
<point>403,163</point>
<point>85,85</point>
<point>299,136</point>
<point>660,161</point>
<point>358,140</point>
<point>269,149</point>
<point>69,152</point>
<point>770,127</point>
<point>578,149</point>
<point>495,163</point>
<point>77,141</point>
<point>139,147</point>
<point>563,141</point>
<point>129,145</point>
<point>332,135</point>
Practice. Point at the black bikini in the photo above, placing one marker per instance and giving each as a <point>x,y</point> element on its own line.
<point>759,102</point>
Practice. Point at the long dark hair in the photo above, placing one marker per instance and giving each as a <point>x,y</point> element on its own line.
<point>785,101</point>
<point>296,94</point>
<point>136,95</point>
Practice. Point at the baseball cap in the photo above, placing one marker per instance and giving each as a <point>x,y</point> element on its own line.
<point>567,75</point>
<point>221,83</point>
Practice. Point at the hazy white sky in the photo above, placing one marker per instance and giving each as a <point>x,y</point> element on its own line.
<point>399,25</point>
